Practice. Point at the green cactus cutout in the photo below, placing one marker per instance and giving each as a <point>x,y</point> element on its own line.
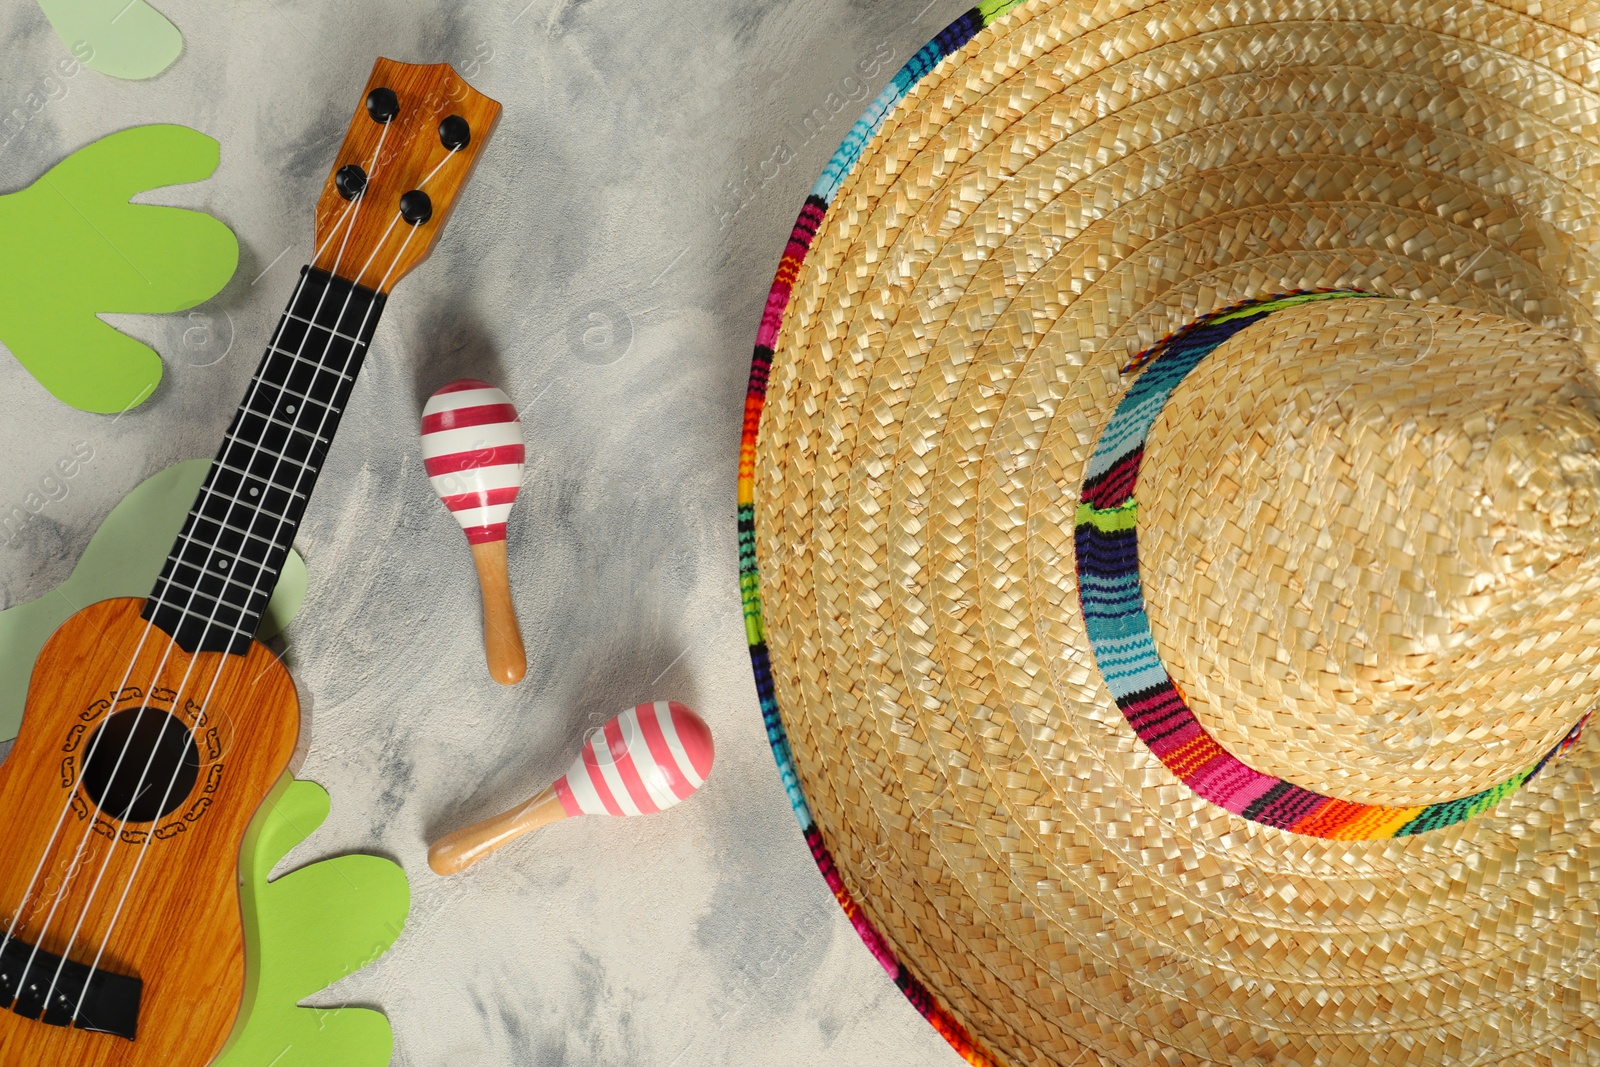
<point>122,38</point>
<point>305,931</point>
<point>123,558</point>
<point>72,247</point>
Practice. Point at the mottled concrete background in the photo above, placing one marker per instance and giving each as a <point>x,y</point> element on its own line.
<point>608,267</point>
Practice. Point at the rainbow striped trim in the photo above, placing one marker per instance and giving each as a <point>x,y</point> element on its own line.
<point>1125,651</point>
<point>954,37</point>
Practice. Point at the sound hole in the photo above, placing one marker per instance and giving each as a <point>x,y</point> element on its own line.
<point>154,739</point>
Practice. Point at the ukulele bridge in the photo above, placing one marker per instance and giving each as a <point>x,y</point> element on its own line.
<point>110,1005</point>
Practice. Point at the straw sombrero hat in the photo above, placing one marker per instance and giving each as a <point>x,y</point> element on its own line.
<point>1170,477</point>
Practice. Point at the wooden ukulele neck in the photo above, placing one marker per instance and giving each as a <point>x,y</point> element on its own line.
<point>221,572</point>
<point>418,130</point>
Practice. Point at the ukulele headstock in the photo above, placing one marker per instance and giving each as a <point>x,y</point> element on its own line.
<point>417,132</point>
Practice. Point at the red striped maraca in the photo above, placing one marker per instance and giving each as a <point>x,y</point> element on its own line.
<point>473,451</point>
<point>643,761</point>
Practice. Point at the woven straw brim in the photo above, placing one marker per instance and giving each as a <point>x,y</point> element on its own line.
<point>1076,183</point>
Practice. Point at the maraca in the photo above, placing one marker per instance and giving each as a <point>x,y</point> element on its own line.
<point>645,760</point>
<point>473,451</point>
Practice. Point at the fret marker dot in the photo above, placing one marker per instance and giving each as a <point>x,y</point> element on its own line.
<point>254,491</point>
<point>289,408</point>
<point>222,564</point>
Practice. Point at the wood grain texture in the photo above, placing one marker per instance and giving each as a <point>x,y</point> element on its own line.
<point>457,851</point>
<point>502,637</point>
<point>180,930</point>
<point>378,248</point>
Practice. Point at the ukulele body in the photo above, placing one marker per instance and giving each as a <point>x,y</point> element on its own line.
<point>179,932</point>
<point>169,958</point>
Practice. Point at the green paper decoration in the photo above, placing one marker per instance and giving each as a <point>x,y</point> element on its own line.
<point>117,37</point>
<point>305,931</point>
<point>72,247</point>
<point>124,558</point>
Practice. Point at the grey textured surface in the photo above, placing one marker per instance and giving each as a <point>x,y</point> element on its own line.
<point>608,267</point>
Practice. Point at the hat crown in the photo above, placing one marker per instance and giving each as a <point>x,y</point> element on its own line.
<point>1364,530</point>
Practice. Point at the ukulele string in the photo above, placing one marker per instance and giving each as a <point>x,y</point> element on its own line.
<point>350,213</point>
<point>204,705</point>
<point>234,501</point>
<point>144,772</point>
<point>217,676</point>
<point>73,867</point>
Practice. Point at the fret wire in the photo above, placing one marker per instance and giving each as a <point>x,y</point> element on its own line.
<point>309,302</point>
<point>183,555</point>
<point>181,610</point>
<point>284,389</point>
<point>244,552</point>
<point>356,347</point>
<point>224,575</point>
<point>301,359</point>
<point>243,609</point>
<point>280,520</point>
<point>291,468</point>
<point>198,517</point>
<point>256,505</point>
<point>270,484</point>
<point>193,587</point>
<point>288,426</point>
<point>333,357</point>
<point>264,382</point>
<point>257,451</point>
<point>341,350</point>
<point>191,625</point>
<point>290,477</point>
<point>324,329</point>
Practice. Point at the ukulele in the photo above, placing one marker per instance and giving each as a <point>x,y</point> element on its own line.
<point>154,729</point>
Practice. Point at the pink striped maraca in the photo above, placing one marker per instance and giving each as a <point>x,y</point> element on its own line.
<point>473,451</point>
<point>643,761</point>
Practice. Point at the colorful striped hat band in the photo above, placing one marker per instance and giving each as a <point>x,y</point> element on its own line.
<point>1125,650</point>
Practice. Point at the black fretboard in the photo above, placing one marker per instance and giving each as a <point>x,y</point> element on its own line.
<point>221,572</point>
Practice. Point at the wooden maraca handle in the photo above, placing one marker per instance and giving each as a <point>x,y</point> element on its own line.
<point>455,852</point>
<point>502,638</point>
